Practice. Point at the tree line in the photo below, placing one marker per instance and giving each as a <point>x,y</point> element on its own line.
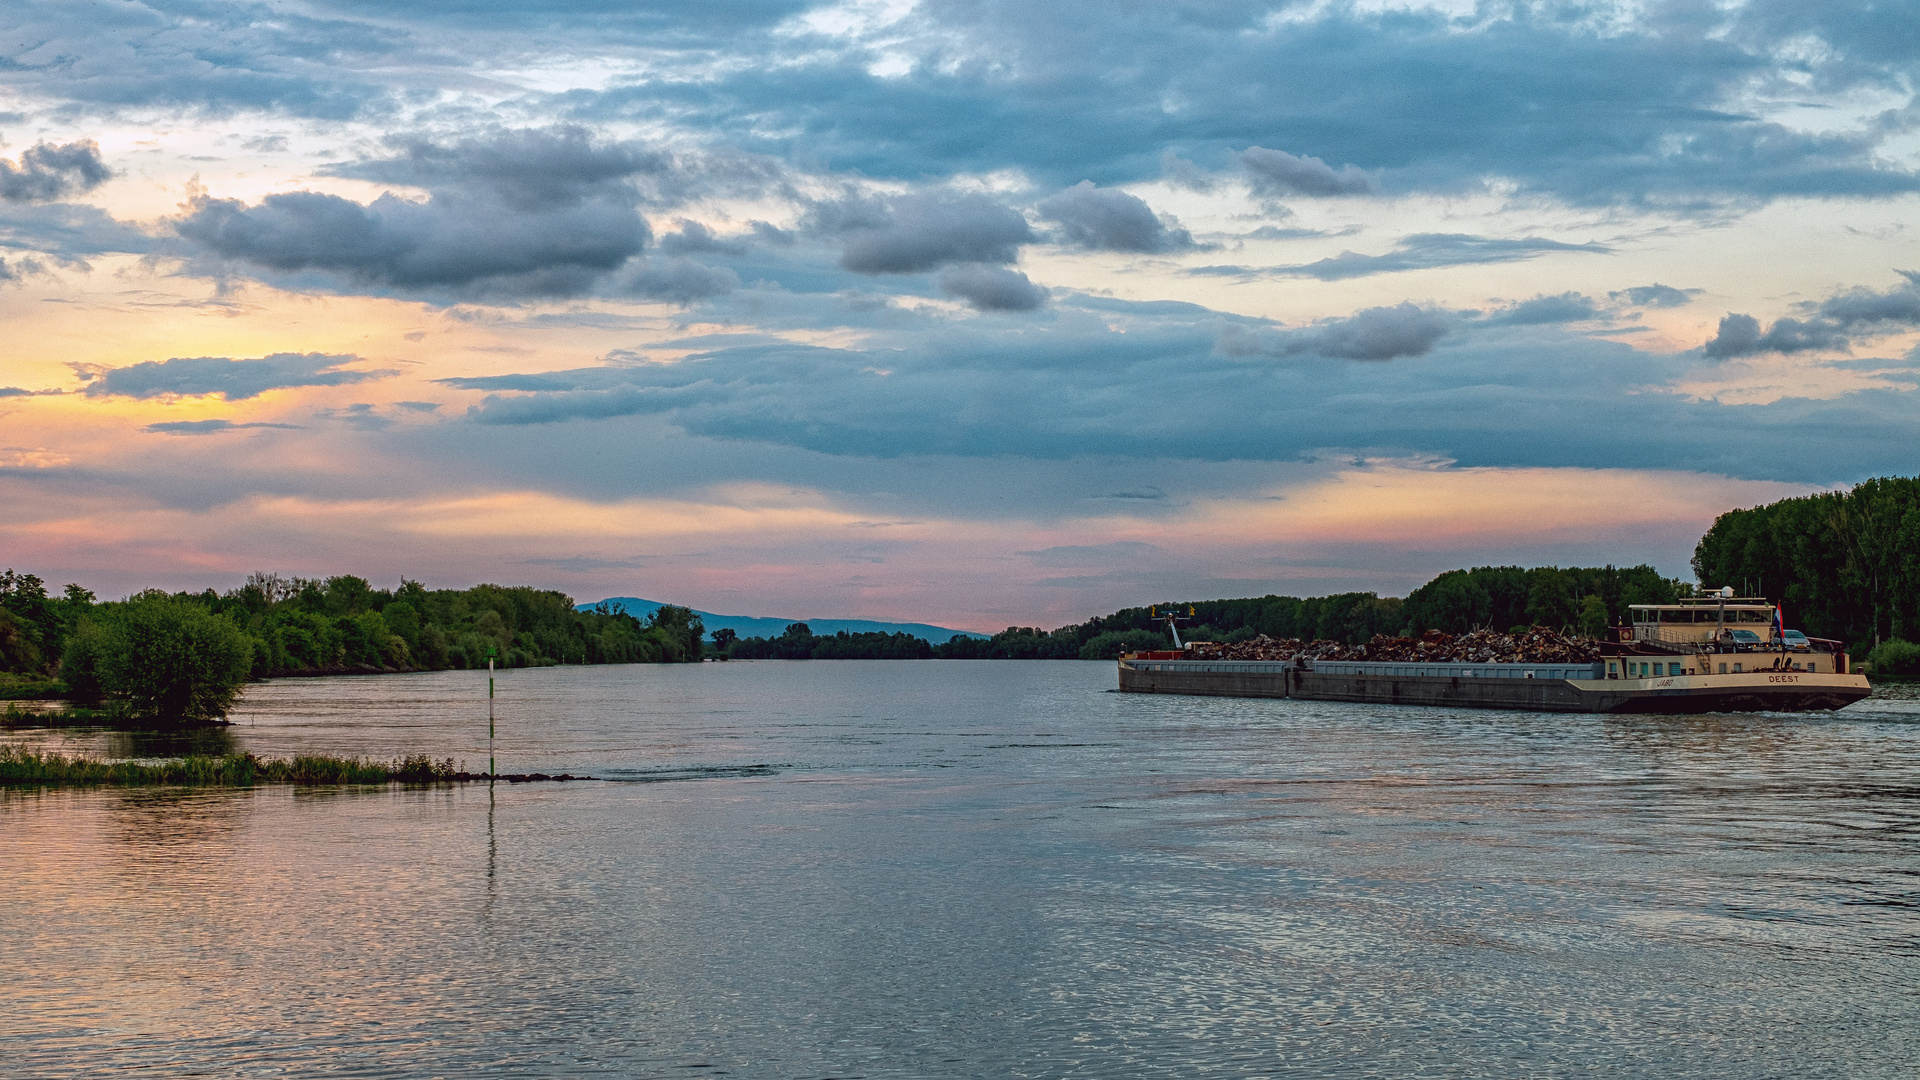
<point>1844,564</point>
<point>1497,597</point>
<point>183,656</point>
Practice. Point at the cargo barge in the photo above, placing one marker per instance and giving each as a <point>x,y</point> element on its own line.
<point>1710,654</point>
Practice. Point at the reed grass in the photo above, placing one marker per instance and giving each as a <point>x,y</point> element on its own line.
<point>27,767</point>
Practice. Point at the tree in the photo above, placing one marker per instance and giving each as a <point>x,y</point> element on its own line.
<point>724,637</point>
<point>174,661</point>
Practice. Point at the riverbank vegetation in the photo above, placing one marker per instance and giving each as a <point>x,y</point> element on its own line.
<point>182,657</point>
<point>20,767</point>
<point>799,642</point>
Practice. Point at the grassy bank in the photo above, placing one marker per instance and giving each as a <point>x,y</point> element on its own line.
<point>25,767</point>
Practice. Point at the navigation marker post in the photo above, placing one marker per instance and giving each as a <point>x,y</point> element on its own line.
<point>491,770</point>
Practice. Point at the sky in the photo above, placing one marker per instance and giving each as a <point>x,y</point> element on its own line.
<point>974,313</point>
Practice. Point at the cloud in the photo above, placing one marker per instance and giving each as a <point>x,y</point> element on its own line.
<point>69,232</point>
<point>20,269</point>
<point>1381,333</point>
<point>693,238</point>
<point>581,564</point>
<point>1835,323</point>
<point>1276,172</point>
<point>912,234</point>
<point>682,281</point>
<point>1617,105</point>
<point>1085,554</point>
<point>523,214</point>
<point>234,380</point>
<point>527,169</point>
<point>46,172</point>
<point>1107,219</point>
<point>1655,296</point>
<point>1566,307</point>
<point>1080,381</point>
<point>208,427</point>
<point>14,391</point>
<point>1427,251</point>
<point>992,288</point>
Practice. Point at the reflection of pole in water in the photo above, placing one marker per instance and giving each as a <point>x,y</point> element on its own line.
<point>490,766</point>
<point>492,853</point>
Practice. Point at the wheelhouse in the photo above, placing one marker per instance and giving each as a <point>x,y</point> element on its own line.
<point>1701,620</point>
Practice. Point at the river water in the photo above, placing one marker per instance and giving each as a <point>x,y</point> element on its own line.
<point>960,869</point>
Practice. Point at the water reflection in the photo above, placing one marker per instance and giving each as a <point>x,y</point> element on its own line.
<point>170,743</point>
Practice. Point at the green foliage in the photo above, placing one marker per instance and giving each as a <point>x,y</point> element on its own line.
<point>342,625</point>
<point>1585,598</point>
<point>25,767</point>
<point>1844,565</point>
<point>679,632</point>
<point>799,642</point>
<point>1350,617</point>
<point>172,660</point>
<point>33,625</point>
<point>1897,658</point>
<point>80,662</point>
<point>1110,645</point>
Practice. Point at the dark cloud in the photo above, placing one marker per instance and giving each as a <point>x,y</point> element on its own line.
<point>46,172</point>
<point>418,406</point>
<point>992,288</point>
<point>1381,333</point>
<point>560,381</point>
<point>69,232</point>
<point>1566,307</point>
<point>1858,307</point>
<point>693,238</point>
<point>234,380</point>
<point>1067,384</point>
<point>1655,295</point>
<point>1276,172</point>
<point>1426,251</point>
<point>681,281</point>
<point>526,214</point>
<point>1655,109</point>
<point>208,427</point>
<point>14,391</point>
<point>184,56</point>
<point>1107,219</point>
<point>361,415</point>
<point>1835,323</point>
<point>771,234</point>
<point>20,269</point>
<point>526,170</point>
<point>912,234</point>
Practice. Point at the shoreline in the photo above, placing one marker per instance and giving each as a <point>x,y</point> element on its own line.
<point>31,769</point>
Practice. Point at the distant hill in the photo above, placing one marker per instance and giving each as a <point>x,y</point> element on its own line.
<point>754,626</point>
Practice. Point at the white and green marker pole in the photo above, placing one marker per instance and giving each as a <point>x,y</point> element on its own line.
<point>491,770</point>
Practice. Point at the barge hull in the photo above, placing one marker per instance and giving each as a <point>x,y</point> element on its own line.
<point>1758,691</point>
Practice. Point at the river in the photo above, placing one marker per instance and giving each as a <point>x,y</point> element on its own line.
<point>974,869</point>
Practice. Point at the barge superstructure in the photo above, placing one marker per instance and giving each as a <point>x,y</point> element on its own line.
<point>1715,653</point>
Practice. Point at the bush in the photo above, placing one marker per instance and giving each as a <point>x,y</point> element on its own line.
<point>1897,658</point>
<point>174,661</point>
<point>80,660</point>
<point>1110,645</point>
